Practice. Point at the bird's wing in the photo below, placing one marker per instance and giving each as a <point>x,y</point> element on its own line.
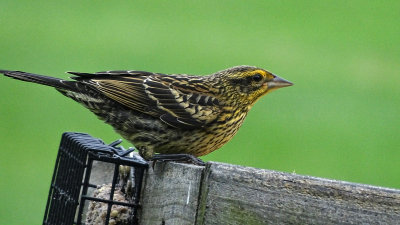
<point>168,97</point>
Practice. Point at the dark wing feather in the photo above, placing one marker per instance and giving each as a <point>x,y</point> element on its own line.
<point>168,97</point>
<point>81,75</point>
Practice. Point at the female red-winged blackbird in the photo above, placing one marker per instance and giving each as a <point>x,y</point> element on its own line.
<point>168,114</point>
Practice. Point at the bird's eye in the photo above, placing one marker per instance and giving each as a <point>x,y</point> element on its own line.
<point>257,77</point>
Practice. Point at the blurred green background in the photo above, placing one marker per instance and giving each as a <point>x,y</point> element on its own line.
<point>340,120</point>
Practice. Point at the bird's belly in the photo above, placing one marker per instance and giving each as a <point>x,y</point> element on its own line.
<point>157,137</point>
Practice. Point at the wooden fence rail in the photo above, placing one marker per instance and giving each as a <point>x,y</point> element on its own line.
<point>176,193</point>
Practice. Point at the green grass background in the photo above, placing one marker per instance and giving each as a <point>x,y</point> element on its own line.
<point>340,120</point>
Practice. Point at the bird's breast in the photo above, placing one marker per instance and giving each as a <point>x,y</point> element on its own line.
<point>219,133</point>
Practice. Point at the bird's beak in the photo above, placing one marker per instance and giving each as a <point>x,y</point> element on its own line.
<point>278,82</point>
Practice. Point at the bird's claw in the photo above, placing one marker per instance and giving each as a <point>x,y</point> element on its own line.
<point>177,157</point>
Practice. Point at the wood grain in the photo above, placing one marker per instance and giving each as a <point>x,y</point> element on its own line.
<point>170,194</point>
<point>241,195</point>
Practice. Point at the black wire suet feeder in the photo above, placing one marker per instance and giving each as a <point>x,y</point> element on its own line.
<point>70,186</point>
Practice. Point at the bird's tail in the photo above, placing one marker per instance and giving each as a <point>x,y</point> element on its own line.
<point>40,79</point>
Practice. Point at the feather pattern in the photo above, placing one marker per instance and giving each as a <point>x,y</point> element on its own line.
<point>167,97</point>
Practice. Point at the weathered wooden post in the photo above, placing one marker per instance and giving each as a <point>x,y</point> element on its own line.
<point>219,193</point>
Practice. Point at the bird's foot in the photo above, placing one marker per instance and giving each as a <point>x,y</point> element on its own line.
<point>179,158</point>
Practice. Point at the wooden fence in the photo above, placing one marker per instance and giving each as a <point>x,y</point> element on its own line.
<point>177,193</point>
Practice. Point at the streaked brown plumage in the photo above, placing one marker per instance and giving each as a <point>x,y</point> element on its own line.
<point>168,114</point>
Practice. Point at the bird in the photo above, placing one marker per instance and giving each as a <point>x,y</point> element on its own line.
<point>160,114</point>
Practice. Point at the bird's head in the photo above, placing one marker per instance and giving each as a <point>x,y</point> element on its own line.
<point>249,83</point>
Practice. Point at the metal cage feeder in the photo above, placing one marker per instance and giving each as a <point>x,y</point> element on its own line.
<point>71,188</point>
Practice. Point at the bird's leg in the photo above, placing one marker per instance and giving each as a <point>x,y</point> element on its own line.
<point>148,154</point>
<point>179,158</point>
